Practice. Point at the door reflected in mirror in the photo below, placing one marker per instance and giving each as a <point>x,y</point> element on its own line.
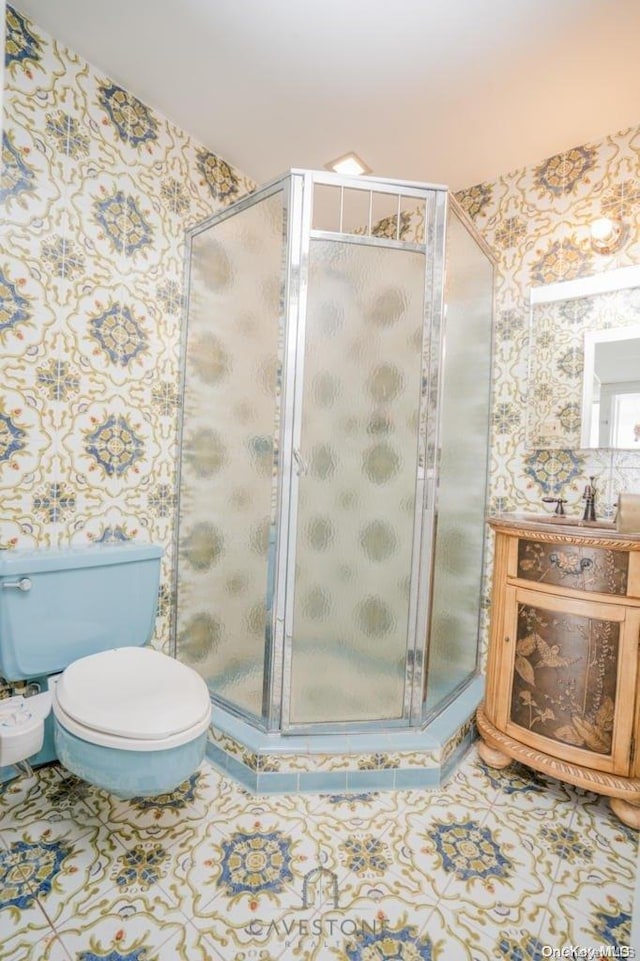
<point>584,363</point>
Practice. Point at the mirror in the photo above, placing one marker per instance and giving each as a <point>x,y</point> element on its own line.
<point>584,364</point>
<point>611,389</point>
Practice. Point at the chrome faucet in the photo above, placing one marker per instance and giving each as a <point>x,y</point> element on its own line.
<point>589,498</point>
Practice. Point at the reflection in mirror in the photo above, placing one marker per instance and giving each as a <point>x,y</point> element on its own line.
<point>611,392</point>
<point>574,325</point>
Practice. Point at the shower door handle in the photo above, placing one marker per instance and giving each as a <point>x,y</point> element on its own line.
<point>302,467</point>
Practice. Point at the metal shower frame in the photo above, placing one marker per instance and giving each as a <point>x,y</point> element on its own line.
<point>297,188</point>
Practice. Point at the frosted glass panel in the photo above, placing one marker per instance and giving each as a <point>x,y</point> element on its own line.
<point>359,443</point>
<point>227,485</point>
<point>460,523</point>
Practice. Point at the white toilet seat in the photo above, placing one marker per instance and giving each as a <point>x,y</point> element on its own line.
<point>132,698</point>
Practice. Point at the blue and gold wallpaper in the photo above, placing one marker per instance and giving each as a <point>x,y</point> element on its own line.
<point>96,193</point>
<point>537,219</point>
<point>97,190</point>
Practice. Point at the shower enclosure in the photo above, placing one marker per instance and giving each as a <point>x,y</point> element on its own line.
<point>337,353</point>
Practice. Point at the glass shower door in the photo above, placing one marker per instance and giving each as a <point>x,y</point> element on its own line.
<point>357,467</point>
<point>464,450</point>
<point>228,486</point>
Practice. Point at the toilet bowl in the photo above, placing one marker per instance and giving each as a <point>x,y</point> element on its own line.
<point>125,717</point>
<point>131,720</point>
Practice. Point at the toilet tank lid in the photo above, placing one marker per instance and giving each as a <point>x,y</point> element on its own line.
<point>38,560</point>
<point>133,692</point>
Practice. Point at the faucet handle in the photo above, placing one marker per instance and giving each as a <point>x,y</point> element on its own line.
<point>558,501</point>
<point>589,498</point>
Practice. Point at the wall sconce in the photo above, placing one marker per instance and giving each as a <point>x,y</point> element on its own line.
<point>606,235</point>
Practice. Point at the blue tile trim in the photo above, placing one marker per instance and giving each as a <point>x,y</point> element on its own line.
<point>262,747</point>
<point>360,780</point>
<point>379,780</point>
<point>231,768</point>
<point>330,743</point>
<point>461,749</point>
<point>255,739</point>
<point>417,777</point>
<point>411,741</point>
<point>445,725</point>
<point>371,742</point>
<point>8,773</point>
<point>321,781</point>
<point>274,783</point>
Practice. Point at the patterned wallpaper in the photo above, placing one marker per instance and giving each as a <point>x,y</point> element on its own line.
<point>537,220</point>
<point>96,193</point>
<point>97,190</point>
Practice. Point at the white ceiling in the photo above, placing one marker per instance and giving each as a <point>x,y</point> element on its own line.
<point>447,91</point>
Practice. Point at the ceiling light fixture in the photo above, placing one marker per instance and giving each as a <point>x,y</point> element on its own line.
<point>606,235</point>
<point>349,163</point>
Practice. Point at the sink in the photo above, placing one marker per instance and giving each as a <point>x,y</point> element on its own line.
<point>562,520</point>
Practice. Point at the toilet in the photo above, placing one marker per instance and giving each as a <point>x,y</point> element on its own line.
<point>125,717</point>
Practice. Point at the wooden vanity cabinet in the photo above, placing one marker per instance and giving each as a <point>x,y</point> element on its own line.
<point>563,671</point>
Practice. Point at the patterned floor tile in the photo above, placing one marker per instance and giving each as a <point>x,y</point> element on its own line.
<point>614,841</point>
<point>598,867</point>
<point>242,873</point>
<point>63,865</point>
<point>399,931</point>
<point>373,866</point>
<point>167,816</point>
<point>455,934</point>
<point>520,789</point>
<point>470,777</point>
<point>358,809</point>
<point>607,925</point>
<point>367,933</point>
<point>503,934</point>
<point>140,867</point>
<point>25,876</point>
<point>492,866</point>
<point>31,945</point>
<point>591,893</point>
<point>482,863</point>
<point>45,798</point>
<point>131,929</point>
<point>24,800</point>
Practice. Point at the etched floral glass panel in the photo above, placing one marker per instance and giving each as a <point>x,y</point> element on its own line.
<point>464,449</point>
<point>227,495</point>
<point>359,448</point>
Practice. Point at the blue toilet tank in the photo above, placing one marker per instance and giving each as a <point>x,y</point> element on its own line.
<point>59,604</point>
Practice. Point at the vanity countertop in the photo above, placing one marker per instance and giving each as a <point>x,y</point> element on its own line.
<point>562,525</point>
